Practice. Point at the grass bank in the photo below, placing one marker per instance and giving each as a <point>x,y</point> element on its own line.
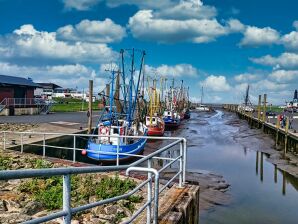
<point>72,105</point>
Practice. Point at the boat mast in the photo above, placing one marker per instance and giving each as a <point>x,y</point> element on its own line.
<point>202,95</point>
<point>123,80</point>
<point>111,94</point>
<point>130,88</point>
<point>138,83</point>
<point>172,100</point>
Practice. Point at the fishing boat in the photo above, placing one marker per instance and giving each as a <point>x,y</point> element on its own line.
<point>202,107</point>
<point>171,116</point>
<point>121,117</point>
<point>154,122</point>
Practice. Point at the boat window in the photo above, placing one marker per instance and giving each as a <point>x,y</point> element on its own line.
<point>116,131</point>
<point>153,119</point>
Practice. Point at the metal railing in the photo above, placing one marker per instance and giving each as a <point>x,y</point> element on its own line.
<point>153,174</point>
<point>23,101</point>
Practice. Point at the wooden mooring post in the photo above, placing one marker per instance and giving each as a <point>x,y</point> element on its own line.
<point>286,137</point>
<point>264,111</point>
<point>90,106</point>
<point>277,132</point>
<point>259,110</point>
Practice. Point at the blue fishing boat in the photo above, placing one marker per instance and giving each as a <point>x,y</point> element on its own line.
<point>118,124</point>
<point>171,116</point>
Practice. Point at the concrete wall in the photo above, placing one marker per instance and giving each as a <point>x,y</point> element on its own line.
<point>177,206</point>
<point>21,111</point>
<point>4,112</point>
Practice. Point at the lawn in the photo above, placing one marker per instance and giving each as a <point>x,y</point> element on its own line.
<point>72,105</point>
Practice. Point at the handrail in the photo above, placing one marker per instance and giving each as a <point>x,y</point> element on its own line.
<point>136,166</point>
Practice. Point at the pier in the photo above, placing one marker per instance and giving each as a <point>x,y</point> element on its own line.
<point>270,125</point>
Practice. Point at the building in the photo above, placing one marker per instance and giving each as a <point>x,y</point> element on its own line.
<point>293,105</point>
<point>46,90</point>
<point>16,87</point>
<point>17,97</point>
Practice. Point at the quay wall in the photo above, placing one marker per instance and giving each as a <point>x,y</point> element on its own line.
<point>284,137</point>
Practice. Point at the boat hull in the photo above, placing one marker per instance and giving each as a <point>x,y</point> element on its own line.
<point>100,151</point>
<point>156,131</point>
<point>187,115</point>
<point>172,123</point>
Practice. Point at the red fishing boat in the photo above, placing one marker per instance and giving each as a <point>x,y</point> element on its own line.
<point>155,125</point>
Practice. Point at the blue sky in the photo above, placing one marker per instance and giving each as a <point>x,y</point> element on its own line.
<point>222,45</point>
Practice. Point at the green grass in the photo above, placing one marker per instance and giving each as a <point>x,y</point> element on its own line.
<point>49,190</point>
<point>275,109</point>
<point>71,105</point>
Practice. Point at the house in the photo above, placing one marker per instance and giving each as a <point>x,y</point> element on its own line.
<point>45,90</point>
<point>17,96</point>
<point>16,87</point>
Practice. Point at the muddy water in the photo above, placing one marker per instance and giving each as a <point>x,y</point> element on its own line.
<point>259,192</point>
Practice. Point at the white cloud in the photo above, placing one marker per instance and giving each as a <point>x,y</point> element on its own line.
<point>290,40</point>
<point>92,31</point>
<point>285,60</point>
<point>29,43</point>
<point>178,70</point>
<point>266,84</point>
<point>187,9</point>
<point>145,26</point>
<point>295,24</point>
<point>81,5</point>
<point>216,83</point>
<point>284,76</point>
<point>235,25</point>
<point>254,36</point>
<point>69,75</point>
<point>246,77</point>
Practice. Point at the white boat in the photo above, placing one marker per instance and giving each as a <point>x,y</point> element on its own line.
<point>202,108</point>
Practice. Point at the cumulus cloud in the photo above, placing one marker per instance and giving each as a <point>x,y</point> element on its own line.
<point>80,5</point>
<point>284,76</point>
<point>234,25</point>
<point>92,31</point>
<point>178,70</point>
<point>216,83</point>
<point>254,36</point>
<point>68,75</point>
<point>285,60</point>
<point>290,41</point>
<point>187,9</point>
<point>29,43</point>
<point>266,84</point>
<point>246,77</point>
<point>144,25</point>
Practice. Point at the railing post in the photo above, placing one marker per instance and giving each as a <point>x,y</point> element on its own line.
<point>184,161</point>
<point>74,149</point>
<point>149,196</point>
<point>44,146</point>
<point>66,199</point>
<point>22,146</point>
<point>181,164</point>
<point>118,143</point>
<point>156,195</point>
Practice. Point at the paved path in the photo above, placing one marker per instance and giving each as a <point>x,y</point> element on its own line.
<point>67,118</point>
